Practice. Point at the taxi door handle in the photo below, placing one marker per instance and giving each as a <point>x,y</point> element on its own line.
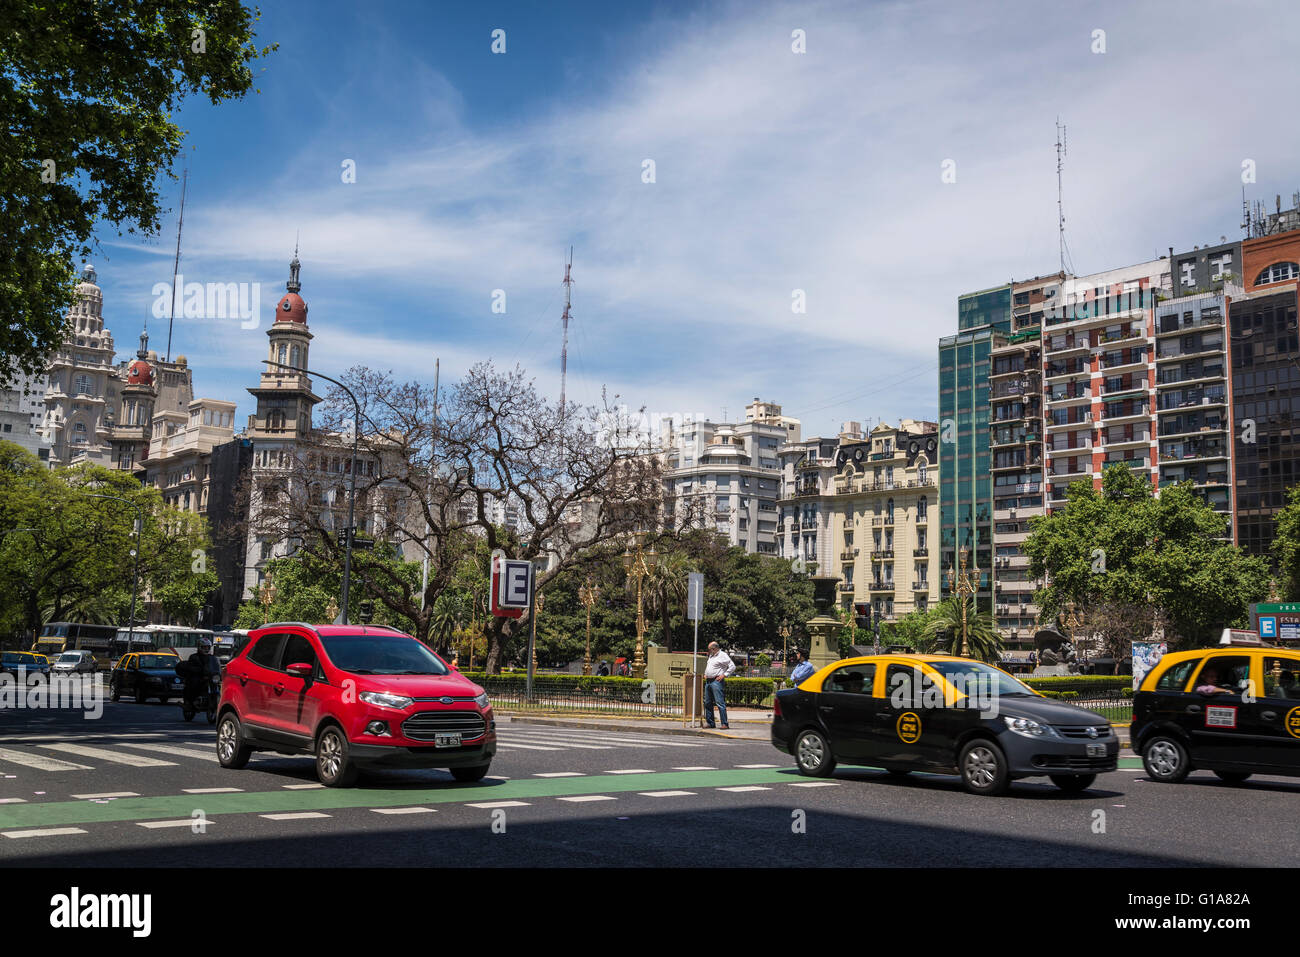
<point>1193,709</point>
<point>825,707</point>
<point>1269,715</point>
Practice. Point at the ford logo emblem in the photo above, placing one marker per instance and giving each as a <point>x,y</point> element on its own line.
<point>446,700</point>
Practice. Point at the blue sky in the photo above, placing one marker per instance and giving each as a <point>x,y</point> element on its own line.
<point>774,172</point>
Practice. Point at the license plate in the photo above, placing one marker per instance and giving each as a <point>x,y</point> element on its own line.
<point>1096,750</point>
<point>447,740</point>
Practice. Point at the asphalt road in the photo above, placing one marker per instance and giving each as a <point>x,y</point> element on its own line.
<point>141,788</point>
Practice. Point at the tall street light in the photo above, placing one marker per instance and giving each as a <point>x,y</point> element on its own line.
<point>587,594</point>
<point>963,584</point>
<point>139,540</point>
<point>639,564</point>
<point>352,484</point>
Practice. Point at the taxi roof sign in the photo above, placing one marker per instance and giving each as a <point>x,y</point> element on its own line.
<point>1238,636</point>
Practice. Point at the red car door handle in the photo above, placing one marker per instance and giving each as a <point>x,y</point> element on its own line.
<point>279,687</point>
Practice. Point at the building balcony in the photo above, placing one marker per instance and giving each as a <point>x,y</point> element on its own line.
<point>1061,370</point>
<point>1071,346</point>
<point>1073,422</point>
<point>882,553</point>
<point>920,552</point>
<point>1172,349</point>
<point>1128,414</point>
<point>882,586</point>
<point>1137,438</point>
<point>1078,448</point>
<point>1124,335</point>
<point>1173,329</point>
<point>846,587</point>
<point>921,586</point>
<point>848,554</point>
<point>1206,376</point>
<point>1169,403</point>
<point>1069,474</point>
<point>1127,363</point>
<point>1135,462</point>
<point>806,492</point>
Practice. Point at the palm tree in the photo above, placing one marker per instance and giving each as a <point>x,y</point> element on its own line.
<point>666,589</point>
<point>983,643</point>
<point>448,614</point>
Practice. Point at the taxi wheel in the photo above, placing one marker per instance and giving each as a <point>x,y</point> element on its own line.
<point>983,768</point>
<point>812,752</point>
<point>1232,777</point>
<point>1165,759</point>
<point>1073,782</point>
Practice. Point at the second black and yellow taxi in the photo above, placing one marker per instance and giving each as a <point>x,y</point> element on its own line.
<point>939,713</point>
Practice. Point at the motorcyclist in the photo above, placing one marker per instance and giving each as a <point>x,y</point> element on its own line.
<point>197,670</point>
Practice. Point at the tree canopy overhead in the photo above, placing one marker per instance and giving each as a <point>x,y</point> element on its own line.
<point>87,92</point>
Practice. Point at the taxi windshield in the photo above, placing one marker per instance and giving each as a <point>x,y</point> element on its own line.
<point>974,674</point>
<point>158,661</point>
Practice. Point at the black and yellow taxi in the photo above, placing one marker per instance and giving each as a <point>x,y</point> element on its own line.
<point>939,713</point>
<point>1230,709</point>
<point>146,674</point>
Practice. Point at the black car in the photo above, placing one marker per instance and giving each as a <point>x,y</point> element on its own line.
<point>941,714</point>
<point>144,675</point>
<point>1231,710</point>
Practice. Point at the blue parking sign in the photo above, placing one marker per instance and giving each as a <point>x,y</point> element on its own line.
<point>1267,626</point>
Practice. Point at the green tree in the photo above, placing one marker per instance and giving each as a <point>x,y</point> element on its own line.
<point>945,626</point>
<point>911,630</point>
<point>1124,546</point>
<point>89,93</point>
<point>1286,545</point>
<point>666,589</point>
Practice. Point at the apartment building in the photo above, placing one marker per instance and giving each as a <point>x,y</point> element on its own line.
<point>807,484</point>
<point>885,489</point>
<point>731,472</point>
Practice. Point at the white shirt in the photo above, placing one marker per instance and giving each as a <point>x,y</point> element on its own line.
<point>719,666</point>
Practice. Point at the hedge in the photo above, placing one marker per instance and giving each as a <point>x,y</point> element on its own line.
<point>752,692</point>
<point>1084,684</point>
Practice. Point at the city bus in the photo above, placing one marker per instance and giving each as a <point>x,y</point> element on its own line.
<point>178,638</point>
<point>56,637</point>
<point>128,639</point>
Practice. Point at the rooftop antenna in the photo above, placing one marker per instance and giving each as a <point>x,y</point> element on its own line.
<point>564,349</point>
<point>1061,152</point>
<point>1245,213</point>
<point>176,263</point>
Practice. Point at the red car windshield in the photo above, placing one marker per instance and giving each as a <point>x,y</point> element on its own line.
<point>381,655</point>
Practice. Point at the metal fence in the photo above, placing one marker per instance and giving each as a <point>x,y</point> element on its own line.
<point>657,700</point>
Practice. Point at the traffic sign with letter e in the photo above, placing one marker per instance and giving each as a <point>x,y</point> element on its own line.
<point>506,585</point>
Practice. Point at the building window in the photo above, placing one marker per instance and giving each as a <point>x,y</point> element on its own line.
<point>79,434</point>
<point>1278,272</point>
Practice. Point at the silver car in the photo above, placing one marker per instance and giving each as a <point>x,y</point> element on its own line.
<point>74,662</point>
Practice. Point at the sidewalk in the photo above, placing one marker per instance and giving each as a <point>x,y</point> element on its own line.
<point>749,724</point>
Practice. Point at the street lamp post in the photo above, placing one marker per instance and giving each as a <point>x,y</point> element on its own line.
<point>639,564</point>
<point>135,552</point>
<point>587,594</point>
<point>963,584</point>
<point>352,484</point>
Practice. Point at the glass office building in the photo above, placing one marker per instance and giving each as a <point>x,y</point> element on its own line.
<point>965,462</point>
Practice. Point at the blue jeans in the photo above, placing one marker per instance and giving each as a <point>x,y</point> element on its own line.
<point>713,690</point>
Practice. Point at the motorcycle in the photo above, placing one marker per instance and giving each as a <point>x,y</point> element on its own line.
<point>205,701</point>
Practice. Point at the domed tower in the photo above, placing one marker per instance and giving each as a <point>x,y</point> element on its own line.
<point>79,397</point>
<point>284,395</point>
<point>139,393</point>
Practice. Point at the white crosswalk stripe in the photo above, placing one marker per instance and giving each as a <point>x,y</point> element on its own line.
<point>40,762</point>
<point>172,749</point>
<point>113,757</point>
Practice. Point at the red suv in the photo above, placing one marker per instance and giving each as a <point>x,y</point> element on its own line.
<point>354,696</point>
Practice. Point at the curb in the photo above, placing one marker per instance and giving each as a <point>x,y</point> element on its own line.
<point>695,733</point>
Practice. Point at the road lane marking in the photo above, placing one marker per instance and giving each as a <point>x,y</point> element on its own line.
<point>814,784</point>
<point>588,797</point>
<point>303,787</point>
<point>758,765</point>
<point>44,832</point>
<point>488,805</point>
<point>67,813</point>
<point>697,768</point>
<point>213,790</point>
<point>632,771</point>
<point>13,800</point>
<point>181,822</point>
<point>301,815</point>
<point>174,749</point>
<point>110,794</point>
<point>40,761</point>
<point>404,810</point>
<point>665,794</point>
<point>745,788</point>
<point>114,757</point>
<point>506,745</point>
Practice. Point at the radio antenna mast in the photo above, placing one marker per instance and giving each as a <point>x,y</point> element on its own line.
<point>564,349</point>
<point>1060,209</point>
<point>176,264</point>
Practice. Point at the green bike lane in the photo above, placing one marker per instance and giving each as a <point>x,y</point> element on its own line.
<point>54,814</point>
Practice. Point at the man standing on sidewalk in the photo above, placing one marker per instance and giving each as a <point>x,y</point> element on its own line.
<point>802,670</point>
<point>716,672</point>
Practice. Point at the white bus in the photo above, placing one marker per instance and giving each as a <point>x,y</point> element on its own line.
<point>175,638</point>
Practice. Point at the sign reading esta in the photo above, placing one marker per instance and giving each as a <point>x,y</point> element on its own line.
<point>512,583</point>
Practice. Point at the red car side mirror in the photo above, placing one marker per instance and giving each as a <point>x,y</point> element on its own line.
<point>301,669</point>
